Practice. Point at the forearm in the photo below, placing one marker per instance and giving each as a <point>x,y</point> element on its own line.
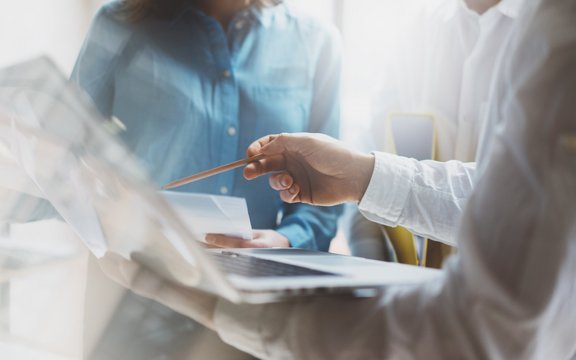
<point>427,197</point>
<point>100,56</point>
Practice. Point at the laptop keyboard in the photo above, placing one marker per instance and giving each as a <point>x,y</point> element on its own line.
<point>250,266</point>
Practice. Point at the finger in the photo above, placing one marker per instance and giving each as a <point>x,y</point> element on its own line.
<point>258,234</point>
<point>277,144</point>
<point>256,147</point>
<point>293,142</point>
<point>224,241</point>
<point>291,195</point>
<point>208,246</point>
<point>281,181</point>
<point>264,166</point>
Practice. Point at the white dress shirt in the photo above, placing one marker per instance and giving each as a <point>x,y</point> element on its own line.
<point>445,65</point>
<point>509,293</point>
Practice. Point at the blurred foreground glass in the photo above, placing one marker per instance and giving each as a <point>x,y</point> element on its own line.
<point>51,136</point>
<point>41,262</point>
<point>60,166</point>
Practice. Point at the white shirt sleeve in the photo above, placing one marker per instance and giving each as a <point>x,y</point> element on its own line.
<point>509,292</point>
<point>427,197</point>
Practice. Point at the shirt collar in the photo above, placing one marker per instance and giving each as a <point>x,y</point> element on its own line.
<point>509,8</point>
<point>263,15</point>
<point>253,13</point>
<point>445,9</point>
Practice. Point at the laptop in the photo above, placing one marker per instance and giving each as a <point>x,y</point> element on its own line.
<point>80,166</point>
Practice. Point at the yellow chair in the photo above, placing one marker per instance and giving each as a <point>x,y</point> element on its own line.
<point>403,244</point>
<point>413,135</point>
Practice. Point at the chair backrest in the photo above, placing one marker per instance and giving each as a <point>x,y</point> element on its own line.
<point>411,135</point>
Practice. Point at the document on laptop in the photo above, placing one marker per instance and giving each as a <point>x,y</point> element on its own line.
<point>211,214</point>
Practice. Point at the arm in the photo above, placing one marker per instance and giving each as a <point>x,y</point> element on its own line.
<point>509,291</point>
<point>99,58</point>
<point>307,226</point>
<point>427,197</point>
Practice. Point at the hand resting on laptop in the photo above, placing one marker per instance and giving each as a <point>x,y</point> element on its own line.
<point>260,239</point>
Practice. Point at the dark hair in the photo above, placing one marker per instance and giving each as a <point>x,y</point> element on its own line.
<point>135,10</point>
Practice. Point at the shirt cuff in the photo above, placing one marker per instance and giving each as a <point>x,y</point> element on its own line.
<point>388,190</point>
<point>297,236</point>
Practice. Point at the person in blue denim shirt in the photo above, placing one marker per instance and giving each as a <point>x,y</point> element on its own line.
<point>193,83</point>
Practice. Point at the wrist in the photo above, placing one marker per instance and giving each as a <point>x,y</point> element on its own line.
<point>361,176</point>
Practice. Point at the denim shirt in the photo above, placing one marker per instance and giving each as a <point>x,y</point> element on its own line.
<point>192,96</point>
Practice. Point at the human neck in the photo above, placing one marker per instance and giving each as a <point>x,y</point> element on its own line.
<point>481,6</point>
<point>222,10</point>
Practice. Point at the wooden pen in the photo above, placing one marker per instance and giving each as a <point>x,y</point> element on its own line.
<point>214,171</point>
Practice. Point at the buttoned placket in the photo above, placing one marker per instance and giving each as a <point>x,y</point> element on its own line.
<point>226,107</point>
<point>230,136</point>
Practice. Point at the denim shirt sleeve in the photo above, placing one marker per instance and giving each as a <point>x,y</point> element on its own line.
<point>308,226</point>
<point>99,58</point>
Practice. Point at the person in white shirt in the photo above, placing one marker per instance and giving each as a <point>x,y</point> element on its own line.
<point>509,291</point>
<point>443,65</point>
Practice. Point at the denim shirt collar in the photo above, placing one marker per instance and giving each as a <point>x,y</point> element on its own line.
<point>253,13</point>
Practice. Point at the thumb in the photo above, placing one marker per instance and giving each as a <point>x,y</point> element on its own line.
<point>272,146</point>
<point>259,146</point>
<point>282,143</point>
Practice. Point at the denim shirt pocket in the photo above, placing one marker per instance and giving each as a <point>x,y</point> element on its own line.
<point>284,107</point>
<point>281,97</point>
<point>161,127</point>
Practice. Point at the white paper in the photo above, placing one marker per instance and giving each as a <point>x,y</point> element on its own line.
<point>212,214</point>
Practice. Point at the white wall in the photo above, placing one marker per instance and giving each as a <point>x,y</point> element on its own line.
<point>56,28</point>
